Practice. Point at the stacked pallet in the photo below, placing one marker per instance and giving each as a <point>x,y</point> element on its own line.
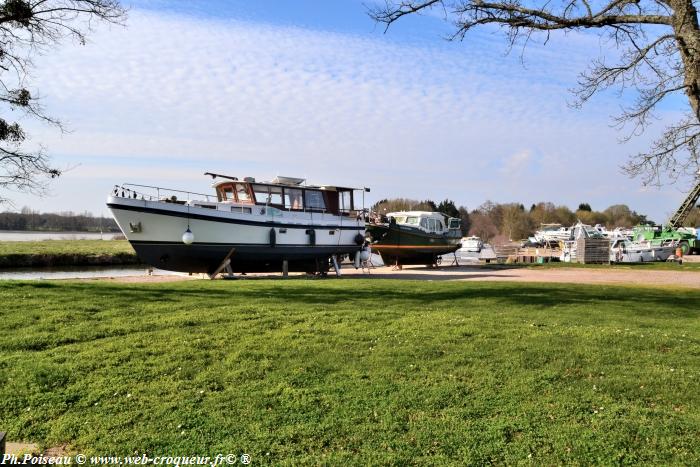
<point>534,255</point>
<point>507,252</point>
<point>593,250</point>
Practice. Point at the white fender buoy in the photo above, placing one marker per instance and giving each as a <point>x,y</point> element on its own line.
<point>188,237</point>
<point>365,254</point>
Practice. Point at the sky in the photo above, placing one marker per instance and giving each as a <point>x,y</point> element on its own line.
<point>316,89</point>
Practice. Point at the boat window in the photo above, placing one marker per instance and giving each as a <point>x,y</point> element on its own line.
<point>424,223</point>
<point>227,193</point>
<point>314,200</point>
<point>262,194</point>
<point>276,195</point>
<point>454,223</point>
<point>439,226</point>
<point>345,201</point>
<point>400,219</point>
<point>242,193</point>
<point>413,220</point>
<point>293,199</point>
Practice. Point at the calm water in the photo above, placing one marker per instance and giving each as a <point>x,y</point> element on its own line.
<point>24,236</point>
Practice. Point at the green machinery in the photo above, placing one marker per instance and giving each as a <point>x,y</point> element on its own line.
<point>688,238</point>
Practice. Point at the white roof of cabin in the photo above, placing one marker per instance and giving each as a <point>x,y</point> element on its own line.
<point>427,214</point>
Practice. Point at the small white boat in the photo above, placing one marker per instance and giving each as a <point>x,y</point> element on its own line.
<point>472,244</point>
<point>623,250</point>
<point>552,233</point>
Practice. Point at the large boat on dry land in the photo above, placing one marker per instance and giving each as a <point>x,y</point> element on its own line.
<point>414,237</point>
<point>254,226</point>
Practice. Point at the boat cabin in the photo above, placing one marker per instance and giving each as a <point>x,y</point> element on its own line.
<point>287,193</point>
<point>431,222</point>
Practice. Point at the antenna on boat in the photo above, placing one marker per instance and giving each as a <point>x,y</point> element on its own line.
<point>213,175</point>
<point>364,190</point>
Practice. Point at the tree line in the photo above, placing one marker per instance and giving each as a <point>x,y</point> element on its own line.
<point>29,220</point>
<point>513,221</point>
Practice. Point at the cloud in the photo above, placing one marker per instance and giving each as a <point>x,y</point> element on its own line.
<point>174,94</point>
<point>517,164</point>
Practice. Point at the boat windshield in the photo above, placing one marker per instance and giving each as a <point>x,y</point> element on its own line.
<point>242,193</point>
<point>314,200</point>
<point>293,198</point>
<point>432,225</point>
<point>227,193</point>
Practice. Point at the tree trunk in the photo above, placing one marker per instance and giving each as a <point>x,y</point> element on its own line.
<point>687,31</point>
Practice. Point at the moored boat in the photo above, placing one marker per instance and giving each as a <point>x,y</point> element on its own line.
<point>414,237</point>
<point>257,226</point>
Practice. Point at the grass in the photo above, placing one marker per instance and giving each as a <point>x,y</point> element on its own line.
<point>59,247</point>
<point>355,371</point>
<point>66,253</point>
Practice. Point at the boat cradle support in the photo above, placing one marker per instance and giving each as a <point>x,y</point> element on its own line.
<point>224,266</point>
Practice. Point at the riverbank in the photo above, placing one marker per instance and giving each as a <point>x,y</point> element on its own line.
<point>55,253</point>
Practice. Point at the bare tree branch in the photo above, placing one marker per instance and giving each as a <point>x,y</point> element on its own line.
<point>658,44</point>
<point>28,27</point>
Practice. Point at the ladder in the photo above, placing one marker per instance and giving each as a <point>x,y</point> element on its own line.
<point>684,210</point>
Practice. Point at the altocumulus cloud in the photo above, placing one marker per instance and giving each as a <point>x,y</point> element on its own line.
<point>170,96</point>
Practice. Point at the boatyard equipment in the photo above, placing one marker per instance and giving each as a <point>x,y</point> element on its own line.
<point>687,238</point>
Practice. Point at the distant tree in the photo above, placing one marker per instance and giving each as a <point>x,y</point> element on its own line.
<point>29,219</point>
<point>427,205</point>
<point>493,211</point>
<point>482,226</point>
<point>584,207</point>
<point>403,204</point>
<point>28,27</point>
<point>465,218</point>
<point>620,215</point>
<point>592,217</point>
<point>564,216</point>
<point>653,48</point>
<point>393,205</point>
<point>693,219</point>
<point>515,223</point>
<point>448,207</point>
<point>543,213</point>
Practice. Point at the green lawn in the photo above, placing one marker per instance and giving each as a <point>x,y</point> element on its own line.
<point>55,247</point>
<point>66,253</point>
<point>354,370</point>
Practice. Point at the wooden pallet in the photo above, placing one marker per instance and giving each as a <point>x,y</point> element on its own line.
<point>593,250</point>
<point>538,255</point>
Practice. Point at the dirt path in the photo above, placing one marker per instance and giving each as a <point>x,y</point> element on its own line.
<point>565,275</point>
<point>688,279</point>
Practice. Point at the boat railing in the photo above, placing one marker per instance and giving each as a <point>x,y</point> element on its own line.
<point>155,193</point>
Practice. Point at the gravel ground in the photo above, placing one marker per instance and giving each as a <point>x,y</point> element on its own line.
<point>688,279</point>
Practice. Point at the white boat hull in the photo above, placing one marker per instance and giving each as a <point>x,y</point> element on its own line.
<point>259,240</point>
<point>641,254</point>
